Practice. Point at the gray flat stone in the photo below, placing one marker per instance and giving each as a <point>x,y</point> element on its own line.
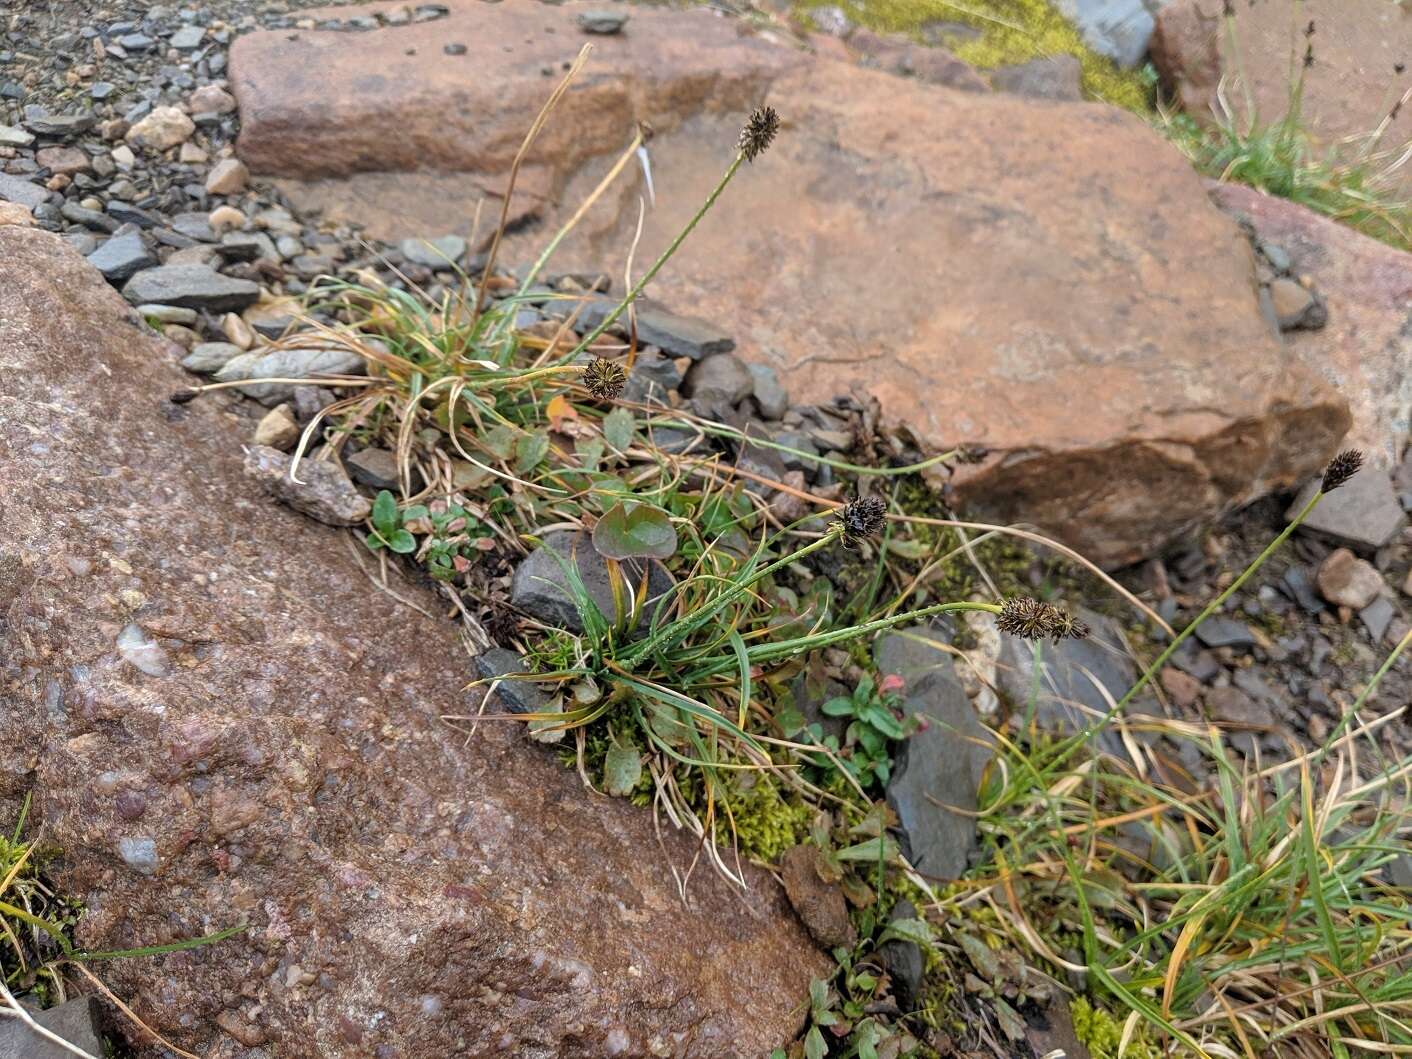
<point>322,490</point>
<point>191,287</point>
<point>442,253</point>
<point>674,335</point>
<point>1070,676</point>
<point>188,38</point>
<point>539,587</point>
<point>296,364</point>
<point>1363,513</point>
<point>76,1021</point>
<point>13,137</point>
<point>1217,631</point>
<point>514,696</point>
<point>938,770</point>
<point>25,192</point>
<point>122,256</point>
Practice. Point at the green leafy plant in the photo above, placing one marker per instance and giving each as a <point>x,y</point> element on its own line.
<point>387,529</point>
<point>875,723</point>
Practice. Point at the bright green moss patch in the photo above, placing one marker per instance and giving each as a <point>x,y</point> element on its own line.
<point>1012,31</point>
<point>1102,1033</point>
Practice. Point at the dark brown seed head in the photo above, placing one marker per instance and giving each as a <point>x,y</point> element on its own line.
<point>182,396</point>
<point>1066,626</point>
<point>1340,469</point>
<point>1026,618</point>
<point>862,518</point>
<point>759,133</point>
<point>1033,619</point>
<point>604,378</point>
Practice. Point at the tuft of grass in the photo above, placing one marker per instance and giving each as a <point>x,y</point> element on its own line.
<point>1352,182</point>
<point>1254,917</point>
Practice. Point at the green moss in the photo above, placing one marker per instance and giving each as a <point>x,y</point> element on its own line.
<point>767,820</point>
<point>1012,31</point>
<point>1101,1032</point>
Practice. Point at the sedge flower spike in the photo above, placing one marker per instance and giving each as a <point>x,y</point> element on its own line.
<point>862,518</point>
<point>604,378</point>
<point>1340,469</point>
<point>759,133</point>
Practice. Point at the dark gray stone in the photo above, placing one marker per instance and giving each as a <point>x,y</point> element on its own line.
<point>18,189</point>
<point>674,441</point>
<point>938,770</point>
<point>903,960</point>
<point>722,378</point>
<point>59,126</point>
<point>674,335</point>
<point>811,690</point>
<point>539,587</point>
<point>373,467</point>
<point>76,1021</point>
<point>99,222</point>
<point>602,22</point>
<point>1052,77</point>
<point>1218,631</point>
<point>247,246</point>
<point>680,336</point>
<point>1297,585</point>
<point>514,696</point>
<point>1377,616</point>
<point>127,213</point>
<point>122,256</point>
<point>191,286</point>
<point>1069,677</point>
<point>770,394</point>
<point>1363,513</point>
<point>796,439</point>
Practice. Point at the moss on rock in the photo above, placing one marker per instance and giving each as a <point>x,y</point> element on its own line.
<point>1011,31</point>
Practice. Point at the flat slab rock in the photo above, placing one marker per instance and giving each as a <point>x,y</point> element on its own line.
<point>984,264</point>
<point>1365,347</point>
<point>265,747</point>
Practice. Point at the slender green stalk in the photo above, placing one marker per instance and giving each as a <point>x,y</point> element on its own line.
<point>666,256</point>
<point>1085,737</point>
<point>685,626</point>
<point>784,648</point>
<point>720,430</point>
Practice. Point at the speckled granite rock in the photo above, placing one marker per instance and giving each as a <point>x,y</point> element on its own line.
<point>267,748</point>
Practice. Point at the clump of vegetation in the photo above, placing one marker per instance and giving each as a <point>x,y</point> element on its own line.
<point>681,699</point>
<point>1350,182</point>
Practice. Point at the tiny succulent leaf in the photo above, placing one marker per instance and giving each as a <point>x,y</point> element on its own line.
<point>622,768</point>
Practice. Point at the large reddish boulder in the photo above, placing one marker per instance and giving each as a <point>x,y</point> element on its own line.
<point>222,720</point>
<point>1048,280</point>
<point>1365,348</point>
